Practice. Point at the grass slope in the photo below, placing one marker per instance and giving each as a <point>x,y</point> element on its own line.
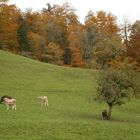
<point>72,113</point>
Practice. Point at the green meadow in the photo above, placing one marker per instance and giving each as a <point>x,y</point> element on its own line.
<point>72,113</point>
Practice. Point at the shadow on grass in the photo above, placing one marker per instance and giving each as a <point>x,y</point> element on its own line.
<point>92,116</point>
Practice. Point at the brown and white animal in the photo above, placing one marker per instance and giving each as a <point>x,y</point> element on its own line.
<point>43,100</point>
<point>10,103</point>
<point>5,96</point>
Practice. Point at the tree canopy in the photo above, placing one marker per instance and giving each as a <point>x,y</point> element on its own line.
<point>115,86</point>
<point>90,44</point>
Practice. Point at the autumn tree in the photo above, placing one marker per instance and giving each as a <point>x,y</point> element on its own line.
<point>75,45</point>
<point>60,25</point>
<point>37,43</point>
<point>31,27</point>
<point>133,47</point>
<point>107,51</point>
<point>89,39</point>
<point>53,54</point>
<point>101,29</point>
<point>54,26</point>
<point>115,86</point>
<point>8,26</point>
<point>125,31</point>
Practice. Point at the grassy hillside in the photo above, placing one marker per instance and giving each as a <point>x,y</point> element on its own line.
<point>72,113</point>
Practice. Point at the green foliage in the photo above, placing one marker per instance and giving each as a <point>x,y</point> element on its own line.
<point>22,35</point>
<point>115,86</point>
<point>107,50</point>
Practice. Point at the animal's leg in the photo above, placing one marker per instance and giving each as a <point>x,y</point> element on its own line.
<point>7,107</point>
<point>15,107</point>
<point>47,103</point>
<point>41,103</point>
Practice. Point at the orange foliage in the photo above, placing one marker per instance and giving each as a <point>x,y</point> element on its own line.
<point>8,24</point>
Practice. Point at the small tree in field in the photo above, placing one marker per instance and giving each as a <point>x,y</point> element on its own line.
<point>114,87</point>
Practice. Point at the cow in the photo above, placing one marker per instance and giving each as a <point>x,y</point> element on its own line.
<point>43,100</point>
<point>10,103</point>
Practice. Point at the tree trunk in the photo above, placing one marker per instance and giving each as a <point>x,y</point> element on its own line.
<point>109,112</point>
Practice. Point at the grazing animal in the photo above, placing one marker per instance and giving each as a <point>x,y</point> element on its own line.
<point>43,100</point>
<point>5,96</point>
<point>104,114</point>
<point>10,103</point>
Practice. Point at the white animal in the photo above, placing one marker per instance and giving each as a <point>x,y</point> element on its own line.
<point>10,103</point>
<point>43,100</point>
